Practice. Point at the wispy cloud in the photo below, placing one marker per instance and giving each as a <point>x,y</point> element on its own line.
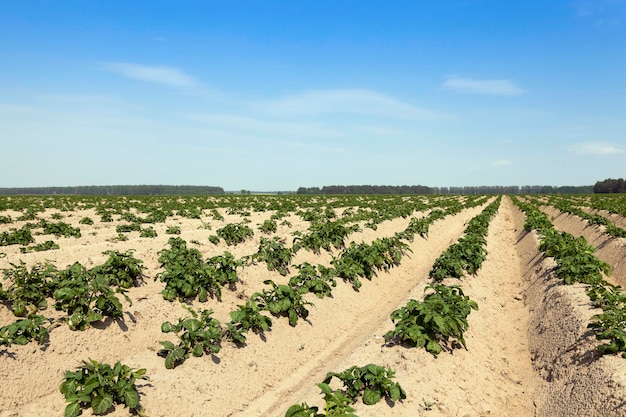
<point>490,87</point>
<point>172,77</point>
<point>594,148</point>
<point>363,102</point>
<point>501,163</point>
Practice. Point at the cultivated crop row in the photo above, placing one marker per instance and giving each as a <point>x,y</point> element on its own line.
<point>575,263</point>
<point>88,295</point>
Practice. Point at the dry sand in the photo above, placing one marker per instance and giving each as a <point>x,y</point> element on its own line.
<point>529,352</point>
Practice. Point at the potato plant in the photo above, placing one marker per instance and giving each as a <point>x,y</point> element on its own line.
<point>21,236</point>
<point>28,290</point>
<point>186,275</point>
<point>282,300</point>
<point>326,235</point>
<point>21,332</point>
<point>235,233</point>
<point>86,299</point>
<point>274,253</point>
<point>197,335</point>
<point>121,269</point>
<point>318,281</point>
<point>40,247</point>
<point>246,317</point>
<point>100,386</point>
<point>59,229</point>
<point>436,323</point>
<point>372,382</point>
<point>269,226</point>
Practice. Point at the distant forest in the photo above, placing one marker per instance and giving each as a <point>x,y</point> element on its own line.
<point>420,189</point>
<point>366,189</point>
<point>610,186</point>
<point>116,190</point>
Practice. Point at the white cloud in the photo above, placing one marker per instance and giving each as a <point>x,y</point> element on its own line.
<point>490,87</point>
<point>594,148</point>
<point>154,74</point>
<point>501,163</point>
<point>363,102</point>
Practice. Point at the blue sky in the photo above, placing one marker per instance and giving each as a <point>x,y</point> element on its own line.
<point>273,95</point>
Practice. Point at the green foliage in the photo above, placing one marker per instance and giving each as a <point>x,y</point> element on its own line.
<point>21,236</point>
<point>303,410</point>
<point>274,253</point>
<point>314,280</point>
<point>373,382</point>
<point>610,325</point>
<point>100,386</point>
<point>224,268</point>
<point>86,220</point>
<point>28,289</point>
<point>25,330</point>
<point>325,235</point>
<point>198,334</point>
<point>130,227</point>
<point>121,269</point>
<point>235,233</point>
<point>148,232</point>
<point>106,217</point>
<point>437,323</point>
<point>40,247</point>
<point>86,298</point>
<point>269,226</point>
<point>173,230</point>
<point>363,260</point>
<point>574,258</point>
<point>282,300</point>
<point>59,229</point>
<point>337,403</point>
<point>246,317</point>
<point>216,215</point>
<point>469,252</point>
<point>187,275</point>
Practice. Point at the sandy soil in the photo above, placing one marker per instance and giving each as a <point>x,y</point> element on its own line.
<point>529,352</point>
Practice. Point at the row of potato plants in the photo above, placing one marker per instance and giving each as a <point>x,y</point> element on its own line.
<point>613,203</point>
<point>200,333</point>
<point>576,263</point>
<point>566,206</point>
<point>85,295</point>
<point>88,297</point>
<point>440,320</point>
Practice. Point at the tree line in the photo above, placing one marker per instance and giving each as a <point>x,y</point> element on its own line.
<point>420,189</point>
<point>610,185</point>
<point>515,189</point>
<point>115,190</point>
<point>366,189</point>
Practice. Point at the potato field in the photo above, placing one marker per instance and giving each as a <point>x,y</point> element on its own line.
<point>311,306</point>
